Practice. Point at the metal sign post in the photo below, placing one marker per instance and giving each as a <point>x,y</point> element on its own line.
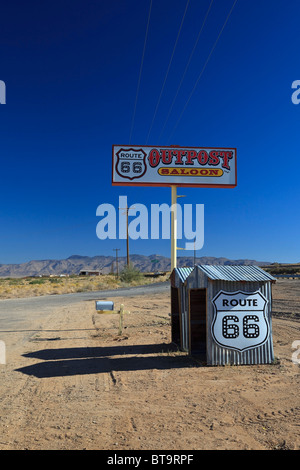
<point>174,246</point>
<point>173,227</point>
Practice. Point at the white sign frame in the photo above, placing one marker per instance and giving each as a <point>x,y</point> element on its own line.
<point>209,167</point>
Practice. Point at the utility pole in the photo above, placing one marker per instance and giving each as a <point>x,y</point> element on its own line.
<point>117,260</point>
<point>127,231</point>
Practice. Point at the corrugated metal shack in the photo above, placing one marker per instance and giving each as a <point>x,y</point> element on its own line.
<point>223,313</point>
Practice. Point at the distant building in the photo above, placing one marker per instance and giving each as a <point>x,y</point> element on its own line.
<point>88,272</point>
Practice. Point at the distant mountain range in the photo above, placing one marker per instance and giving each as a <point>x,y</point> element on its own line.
<point>106,264</point>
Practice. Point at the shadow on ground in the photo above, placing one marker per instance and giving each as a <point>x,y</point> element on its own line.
<point>95,360</point>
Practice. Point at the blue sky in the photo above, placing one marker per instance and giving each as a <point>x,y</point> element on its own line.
<point>71,71</point>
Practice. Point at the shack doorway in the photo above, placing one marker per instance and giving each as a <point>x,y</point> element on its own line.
<point>197,321</point>
<point>175,317</point>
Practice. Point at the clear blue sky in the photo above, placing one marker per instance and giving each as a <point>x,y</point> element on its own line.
<point>71,70</point>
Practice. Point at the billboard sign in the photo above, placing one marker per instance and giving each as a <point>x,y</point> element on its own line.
<point>240,320</point>
<point>212,167</point>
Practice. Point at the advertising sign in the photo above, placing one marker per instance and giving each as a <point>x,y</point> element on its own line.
<point>179,166</point>
<point>240,321</point>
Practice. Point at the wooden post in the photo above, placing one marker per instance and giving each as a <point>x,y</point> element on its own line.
<point>117,260</point>
<point>120,312</point>
<point>121,318</point>
<point>127,231</point>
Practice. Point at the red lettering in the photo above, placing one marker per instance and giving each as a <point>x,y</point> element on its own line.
<point>166,156</point>
<point>154,158</point>
<point>178,154</point>
<point>175,153</point>
<point>191,155</point>
<point>202,157</point>
<point>181,153</point>
<point>226,157</point>
<point>213,158</point>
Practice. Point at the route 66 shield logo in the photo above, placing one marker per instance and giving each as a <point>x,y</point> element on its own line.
<point>131,163</point>
<point>240,321</point>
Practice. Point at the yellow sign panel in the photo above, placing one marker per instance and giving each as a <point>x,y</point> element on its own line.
<point>190,171</point>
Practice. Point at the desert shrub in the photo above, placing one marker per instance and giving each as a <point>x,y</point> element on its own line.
<point>55,280</point>
<point>283,270</point>
<point>130,274</point>
<point>15,282</point>
<point>37,281</point>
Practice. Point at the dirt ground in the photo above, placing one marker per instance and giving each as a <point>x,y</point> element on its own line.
<point>72,383</point>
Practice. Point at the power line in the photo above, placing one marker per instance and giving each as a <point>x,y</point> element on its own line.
<point>201,73</point>
<point>168,69</point>
<point>186,68</point>
<point>140,74</point>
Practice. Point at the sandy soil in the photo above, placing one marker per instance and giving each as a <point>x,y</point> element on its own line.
<point>72,383</point>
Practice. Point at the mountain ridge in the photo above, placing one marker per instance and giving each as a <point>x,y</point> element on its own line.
<point>105,264</point>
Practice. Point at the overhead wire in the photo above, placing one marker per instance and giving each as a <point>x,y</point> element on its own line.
<point>204,67</point>
<point>168,69</point>
<point>140,73</point>
<point>186,68</point>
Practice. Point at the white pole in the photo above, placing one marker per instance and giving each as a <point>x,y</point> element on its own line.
<point>173,227</point>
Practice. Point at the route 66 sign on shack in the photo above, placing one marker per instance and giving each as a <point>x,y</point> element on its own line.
<point>223,313</point>
<point>240,320</point>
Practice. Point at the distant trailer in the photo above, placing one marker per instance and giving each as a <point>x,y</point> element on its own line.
<point>223,313</point>
<point>85,272</point>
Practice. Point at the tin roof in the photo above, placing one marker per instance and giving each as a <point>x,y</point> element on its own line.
<point>228,273</point>
<point>236,273</point>
<point>183,273</point>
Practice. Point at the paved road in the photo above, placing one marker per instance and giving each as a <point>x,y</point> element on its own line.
<point>14,312</point>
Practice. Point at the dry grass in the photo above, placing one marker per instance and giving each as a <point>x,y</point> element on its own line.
<point>12,288</point>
